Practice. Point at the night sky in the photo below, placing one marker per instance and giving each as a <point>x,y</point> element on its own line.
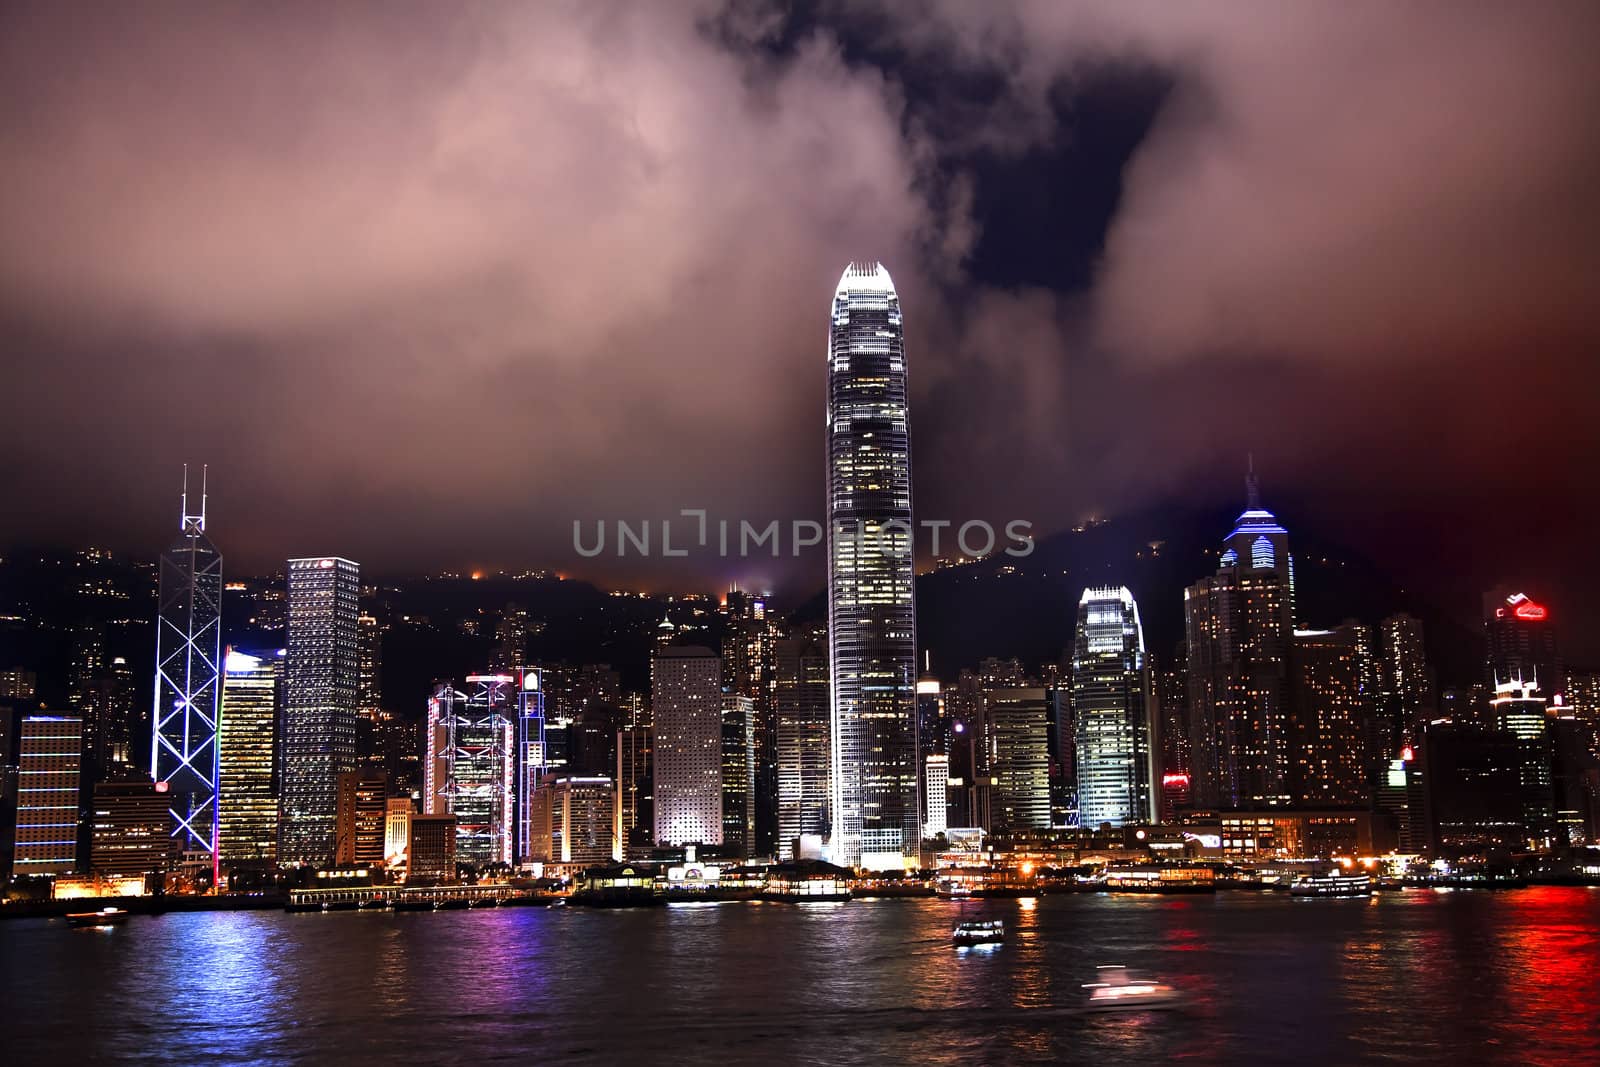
<point>425,283</point>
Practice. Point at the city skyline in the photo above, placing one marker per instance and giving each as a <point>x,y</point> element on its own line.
<point>1178,637</point>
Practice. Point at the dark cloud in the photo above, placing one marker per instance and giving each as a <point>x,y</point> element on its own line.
<point>426,282</point>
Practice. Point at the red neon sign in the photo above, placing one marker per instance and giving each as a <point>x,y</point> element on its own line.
<point>1522,608</point>
<point>1174,779</point>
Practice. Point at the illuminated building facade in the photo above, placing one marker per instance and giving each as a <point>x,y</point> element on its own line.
<point>397,813</point>
<point>369,665</point>
<point>363,818</point>
<point>431,852</point>
<point>1520,710</point>
<point>801,674</point>
<point>635,792</point>
<point>1331,706</point>
<point>470,766</point>
<point>936,789</point>
<point>49,761</point>
<point>583,820</point>
<point>1019,723</point>
<point>1111,705</point>
<point>321,687</point>
<point>130,835</point>
<point>738,772</point>
<point>1238,632</point>
<point>871,605</point>
<point>749,670</point>
<point>188,680</point>
<point>686,703</point>
<point>247,798</point>
<point>532,754</point>
<point>1521,640</point>
<point>1405,701</point>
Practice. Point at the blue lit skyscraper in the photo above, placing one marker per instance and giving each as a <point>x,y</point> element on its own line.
<point>871,611</point>
<point>1114,753</point>
<point>188,682</point>
<point>321,675</point>
<point>1239,629</point>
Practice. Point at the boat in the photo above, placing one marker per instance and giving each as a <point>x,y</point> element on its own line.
<point>103,917</point>
<point>989,932</point>
<point>1331,885</point>
<point>1118,990</point>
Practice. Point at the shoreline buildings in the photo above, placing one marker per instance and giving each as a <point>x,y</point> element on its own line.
<point>470,767</point>
<point>872,638</point>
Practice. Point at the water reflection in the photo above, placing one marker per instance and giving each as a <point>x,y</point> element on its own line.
<point>1412,977</point>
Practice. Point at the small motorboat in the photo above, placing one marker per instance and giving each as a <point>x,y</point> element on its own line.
<point>991,932</point>
<point>1117,990</point>
<point>103,917</point>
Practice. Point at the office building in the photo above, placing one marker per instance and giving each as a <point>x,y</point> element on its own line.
<point>1331,709</point>
<point>1170,686</point>
<point>583,820</point>
<point>369,666</point>
<point>469,769</point>
<point>738,772</point>
<point>321,686</point>
<point>1405,700</point>
<point>1520,636</point>
<point>635,790</point>
<point>130,835</point>
<point>397,812</point>
<point>247,798</point>
<point>1520,710</point>
<point>686,704</point>
<point>1238,632</point>
<point>748,670</point>
<point>802,705</point>
<point>431,852</point>
<point>871,608</point>
<point>49,761</point>
<point>1114,739</point>
<point>363,818</point>
<point>1019,722</point>
<point>936,800</point>
<point>532,752</point>
<point>188,680</point>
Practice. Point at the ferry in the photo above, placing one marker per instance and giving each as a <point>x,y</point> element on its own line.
<point>1331,885</point>
<point>1117,990</point>
<point>991,932</point>
<point>103,917</point>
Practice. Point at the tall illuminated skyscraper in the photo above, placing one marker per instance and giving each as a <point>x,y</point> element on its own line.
<point>686,701</point>
<point>188,683</point>
<point>871,608</point>
<point>1239,629</point>
<point>321,680</point>
<point>1114,750</point>
<point>247,738</point>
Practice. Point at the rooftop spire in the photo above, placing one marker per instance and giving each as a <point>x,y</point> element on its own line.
<point>194,523</point>
<point>1252,486</point>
